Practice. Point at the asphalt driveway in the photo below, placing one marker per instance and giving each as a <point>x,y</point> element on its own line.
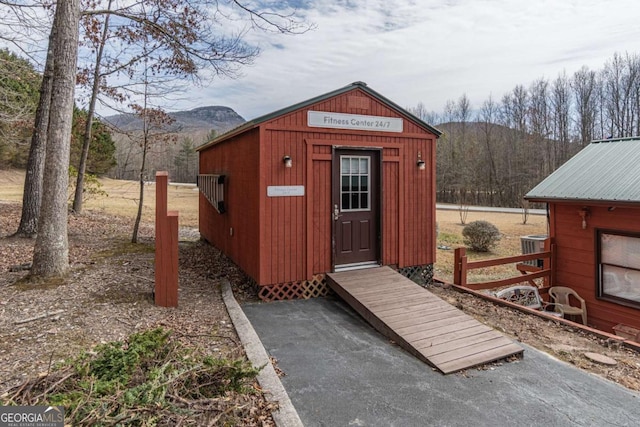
<point>341,372</point>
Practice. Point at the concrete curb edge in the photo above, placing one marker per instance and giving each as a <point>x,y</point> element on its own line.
<point>286,415</point>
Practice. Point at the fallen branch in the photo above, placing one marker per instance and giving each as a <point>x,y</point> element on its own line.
<point>38,317</point>
<point>143,278</point>
<point>125,323</point>
<point>54,385</point>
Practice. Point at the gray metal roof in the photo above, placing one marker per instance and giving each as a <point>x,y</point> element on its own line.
<point>604,171</point>
<point>360,85</point>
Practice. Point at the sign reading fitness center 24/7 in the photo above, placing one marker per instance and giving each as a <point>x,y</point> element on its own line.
<point>322,119</point>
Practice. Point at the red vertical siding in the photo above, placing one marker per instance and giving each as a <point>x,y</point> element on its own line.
<point>418,203</point>
<point>284,234</point>
<point>391,211</point>
<point>408,195</point>
<point>294,233</point>
<point>576,257</point>
<point>238,159</point>
<point>321,230</point>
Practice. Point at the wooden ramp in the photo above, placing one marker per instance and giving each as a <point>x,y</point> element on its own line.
<point>420,322</point>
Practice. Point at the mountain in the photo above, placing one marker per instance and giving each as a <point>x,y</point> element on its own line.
<point>215,117</point>
<point>175,154</point>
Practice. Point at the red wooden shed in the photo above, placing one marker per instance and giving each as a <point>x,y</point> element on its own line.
<point>342,181</point>
<point>594,221</point>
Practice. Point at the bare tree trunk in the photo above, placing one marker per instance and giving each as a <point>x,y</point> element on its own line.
<point>585,93</point>
<point>136,225</point>
<point>145,147</point>
<point>51,251</point>
<point>32,192</point>
<point>86,139</point>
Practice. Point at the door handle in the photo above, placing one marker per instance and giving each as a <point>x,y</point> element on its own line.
<point>336,213</point>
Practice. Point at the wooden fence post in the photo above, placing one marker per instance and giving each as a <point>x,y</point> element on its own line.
<point>550,263</point>
<point>459,257</point>
<point>166,286</point>
<point>464,271</point>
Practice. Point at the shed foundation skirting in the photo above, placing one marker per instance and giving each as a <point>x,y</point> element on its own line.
<point>305,289</point>
<point>421,274</point>
<point>318,287</point>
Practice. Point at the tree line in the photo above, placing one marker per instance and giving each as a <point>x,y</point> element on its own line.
<point>178,157</point>
<point>495,154</point>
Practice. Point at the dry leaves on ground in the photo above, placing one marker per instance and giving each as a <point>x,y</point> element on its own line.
<point>563,342</point>
<point>106,297</point>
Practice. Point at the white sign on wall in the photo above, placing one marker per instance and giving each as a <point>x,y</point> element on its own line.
<point>285,190</point>
<point>321,119</point>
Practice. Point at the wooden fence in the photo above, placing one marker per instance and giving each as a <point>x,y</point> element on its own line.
<point>527,273</point>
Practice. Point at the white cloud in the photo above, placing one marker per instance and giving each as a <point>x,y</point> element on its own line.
<point>427,51</point>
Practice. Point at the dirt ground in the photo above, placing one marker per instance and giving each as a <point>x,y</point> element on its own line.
<point>107,296</point>
<point>561,341</point>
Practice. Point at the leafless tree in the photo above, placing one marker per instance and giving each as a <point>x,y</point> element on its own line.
<point>584,86</point>
<point>155,122</point>
<point>525,211</point>
<point>465,146</point>
<point>446,151</point>
<point>541,152</point>
<point>487,119</point>
<point>620,78</point>
<point>517,142</point>
<point>184,30</point>
<point>24,25</point>
<point>180,39</point>
<point>561,102</point>
<point>51,249</point>
<point>421,112</point>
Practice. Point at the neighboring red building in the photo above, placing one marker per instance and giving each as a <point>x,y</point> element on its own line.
<point>344,180</point>
<point>594,220</point>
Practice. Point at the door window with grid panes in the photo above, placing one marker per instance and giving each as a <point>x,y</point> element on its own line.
<point>355,177</point>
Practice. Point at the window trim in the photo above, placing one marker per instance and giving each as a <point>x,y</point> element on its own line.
<point>212,187</point>
<point>600,294</point>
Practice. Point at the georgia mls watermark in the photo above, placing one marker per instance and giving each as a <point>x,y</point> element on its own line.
<point>31,416</point>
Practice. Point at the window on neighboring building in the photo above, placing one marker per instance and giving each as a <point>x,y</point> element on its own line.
<point>619,267</point>
<point>212,186</point>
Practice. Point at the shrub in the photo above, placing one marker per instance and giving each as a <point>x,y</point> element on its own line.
<point>149,379</point>
<point>92,187</point>
<point>480,236</point>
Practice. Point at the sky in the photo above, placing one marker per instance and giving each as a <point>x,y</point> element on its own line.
<point>427,51</point>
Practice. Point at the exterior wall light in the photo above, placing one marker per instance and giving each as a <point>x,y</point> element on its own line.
<point>584,214</point>
<point>420,163</point>
<point>287,161</point>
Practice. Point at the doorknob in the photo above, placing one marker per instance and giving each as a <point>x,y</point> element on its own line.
<point>336,213</point>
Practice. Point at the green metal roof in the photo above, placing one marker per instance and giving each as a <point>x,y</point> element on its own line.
<point>356,85</point>
<point>604,171</point>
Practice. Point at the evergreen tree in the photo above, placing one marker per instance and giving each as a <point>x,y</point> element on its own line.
<point>19,83</point>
